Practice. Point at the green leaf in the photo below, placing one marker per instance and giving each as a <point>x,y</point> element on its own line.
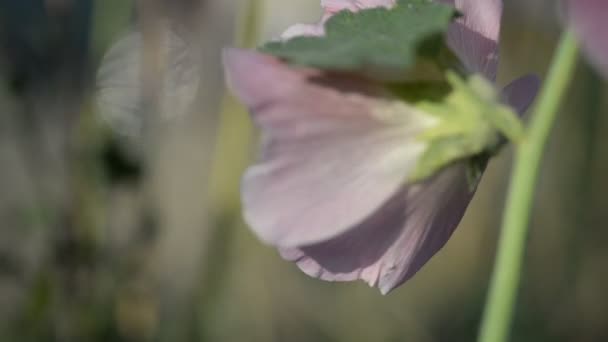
<point>472,123</point>
<point>377,39</point>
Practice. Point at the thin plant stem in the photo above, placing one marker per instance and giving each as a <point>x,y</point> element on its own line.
<point>498,315</point>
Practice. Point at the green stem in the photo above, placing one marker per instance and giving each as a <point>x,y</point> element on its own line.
<point>498,314</point>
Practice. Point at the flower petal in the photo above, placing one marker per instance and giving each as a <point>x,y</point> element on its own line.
<point>334,6</point>
<point>330,8</point>
<point>391,245</point>
<point>474,37</point>
<point>520,94</point>
<point>335,148</point>
<point>298,30</point>
<point>589,20</point>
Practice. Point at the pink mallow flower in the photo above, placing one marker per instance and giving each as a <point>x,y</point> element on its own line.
<point>330,189</point>
<point>590,21</point>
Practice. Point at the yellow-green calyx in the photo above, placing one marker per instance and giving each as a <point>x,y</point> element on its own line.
<point>471,123</point>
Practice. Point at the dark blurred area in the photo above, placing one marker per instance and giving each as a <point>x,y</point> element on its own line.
<point>114,234</point>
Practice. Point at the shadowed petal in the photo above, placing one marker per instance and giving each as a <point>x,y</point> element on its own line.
<point>589,18</point>
<point>334,148</point>
<point>520,94</point>
<point>474,37</point>
<point>397,240</point>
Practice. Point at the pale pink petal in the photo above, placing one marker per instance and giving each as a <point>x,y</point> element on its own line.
<point>391,245</point>
<point>335,149</point>
<point>298,30</point>
<point>474,37</point>
<point>590,20</point>
<point>334,6</point>
<point>331,7</point>
<point>520,93</point>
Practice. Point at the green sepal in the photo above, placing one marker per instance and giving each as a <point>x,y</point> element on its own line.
<point>376,39</point>
<point>471,123</point>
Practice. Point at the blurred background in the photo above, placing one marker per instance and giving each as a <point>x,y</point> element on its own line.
<point>119,202</point>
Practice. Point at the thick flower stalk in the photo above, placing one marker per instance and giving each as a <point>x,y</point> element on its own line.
<point>358,180</point>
